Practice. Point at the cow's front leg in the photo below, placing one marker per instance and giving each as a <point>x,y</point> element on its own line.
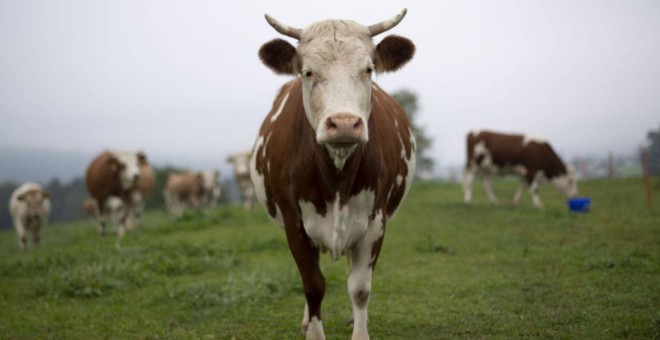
<point>518,195</point>
<point>363,260</point>
<point>468,180</point>
<point>488,187</point>
<point>307,260</point>
<point>20,231</point>
<point>533,180</point>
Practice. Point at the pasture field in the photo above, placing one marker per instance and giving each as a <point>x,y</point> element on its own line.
<point>446,271</point>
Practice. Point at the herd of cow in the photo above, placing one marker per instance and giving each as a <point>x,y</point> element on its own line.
<point>332,162</point>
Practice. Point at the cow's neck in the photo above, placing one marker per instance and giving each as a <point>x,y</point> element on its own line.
<point>341,180</point>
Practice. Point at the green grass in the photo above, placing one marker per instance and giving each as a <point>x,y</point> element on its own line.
<point>446,271</point>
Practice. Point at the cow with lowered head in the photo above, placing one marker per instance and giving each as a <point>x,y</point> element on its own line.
<point>335,155</point>
<point>115,174</point>
<point>196,190</point>
<point>532,159</point>
<point>29,206</point>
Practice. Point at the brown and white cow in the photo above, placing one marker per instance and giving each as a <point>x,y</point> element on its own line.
<point>533,159</point>
<point>114,174</point>
<point>196,190</point>
<point>335,155</point>
<point>241,163</point>
<point>29,207</point>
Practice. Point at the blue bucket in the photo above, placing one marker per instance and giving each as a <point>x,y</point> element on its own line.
<point>580,204</point>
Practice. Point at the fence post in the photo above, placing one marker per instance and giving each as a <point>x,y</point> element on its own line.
<point>647,177</point>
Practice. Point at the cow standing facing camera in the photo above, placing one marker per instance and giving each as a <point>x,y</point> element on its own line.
<point>335,156</point>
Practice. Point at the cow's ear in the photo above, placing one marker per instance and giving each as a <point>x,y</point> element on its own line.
<point>393,52</point>
<point>279,56</point>
<point>21,197</point>
<point>142,159</point>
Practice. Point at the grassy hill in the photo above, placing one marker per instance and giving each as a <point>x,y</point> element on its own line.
<point>446,271</point>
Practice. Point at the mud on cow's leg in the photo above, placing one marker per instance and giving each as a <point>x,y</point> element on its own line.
<point>307,260</point>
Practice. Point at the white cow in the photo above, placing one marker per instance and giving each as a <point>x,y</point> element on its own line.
<point>29,207</point>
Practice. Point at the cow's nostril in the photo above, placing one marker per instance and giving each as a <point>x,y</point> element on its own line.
<point>330,124</point>
<point>358,124</point>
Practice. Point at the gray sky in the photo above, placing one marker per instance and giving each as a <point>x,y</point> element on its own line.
<point>182,78</point>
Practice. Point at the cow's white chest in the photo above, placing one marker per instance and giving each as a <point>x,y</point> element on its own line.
<point>342,226</point>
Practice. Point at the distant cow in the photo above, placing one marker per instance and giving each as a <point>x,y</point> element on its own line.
<point>29,206</point>
<point>335,155</point>
<point>144,186</point>
<point>196,190</point>
<point>241,163</point>
<point>490,154</point>
<point>115,174</point>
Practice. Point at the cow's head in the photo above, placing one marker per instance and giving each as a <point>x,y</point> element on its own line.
<point>34,201</point>
<point>336,60</point>
<point>127,165</point>
<point>567,182</point>
<point>210,183</point>
<point>241,163</point>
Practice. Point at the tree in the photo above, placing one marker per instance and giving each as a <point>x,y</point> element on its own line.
<point>408,101</point>
<point>654,151</point>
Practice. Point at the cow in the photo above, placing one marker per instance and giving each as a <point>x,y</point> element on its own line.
<point>115,174</point>
<point>29,207</point>
<point>145,185</point>
<point>335,156</point>
<point>532,159</point>
<point>195,190</point>
<point>241,164</point>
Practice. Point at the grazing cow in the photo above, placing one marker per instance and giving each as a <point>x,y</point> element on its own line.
<point>335,155</point>
<point>145,185</point>
<point>29,206</point>
<point>241,163</point>
<point>534,160</point>
<point>114,174</point>
<point>195,190</point>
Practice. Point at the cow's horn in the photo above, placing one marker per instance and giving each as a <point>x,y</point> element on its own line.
<point>284,29</point>
<point>383,26</point>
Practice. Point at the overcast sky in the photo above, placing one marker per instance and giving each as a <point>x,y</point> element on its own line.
<point>182,78</point>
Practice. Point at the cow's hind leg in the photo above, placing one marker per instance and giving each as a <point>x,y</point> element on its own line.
<point>307,260</point>
<point>517,196</point>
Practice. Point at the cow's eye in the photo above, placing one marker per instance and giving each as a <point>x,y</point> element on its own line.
<point>370,70</point>
<point>307,73</point>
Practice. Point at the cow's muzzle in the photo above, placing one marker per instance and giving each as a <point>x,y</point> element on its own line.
<point>343,130</point>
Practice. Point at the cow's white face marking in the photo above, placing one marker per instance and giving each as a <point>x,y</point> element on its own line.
<point>279,109</point>
<point>336,70</point>
<point>341,226</point>
<point>566,183</point>
<point>131,167</point>
<point>241,162</point>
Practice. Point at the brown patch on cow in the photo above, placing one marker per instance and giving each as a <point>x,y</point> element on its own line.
<point>361,298</point>
<point>393,52</point>
<point>147,180</point>
<point>279,56</point>
<point>188,187</point>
